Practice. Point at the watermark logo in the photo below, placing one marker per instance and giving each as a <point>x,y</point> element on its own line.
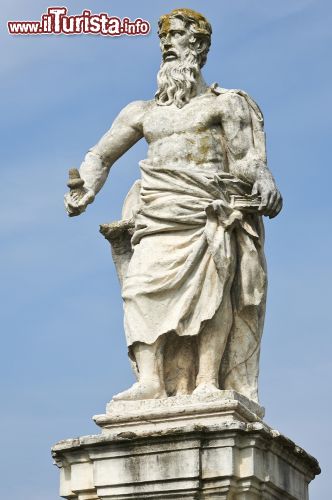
<point>56,21</point>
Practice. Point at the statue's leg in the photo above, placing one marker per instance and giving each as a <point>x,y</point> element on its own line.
<point>211,345</point>
<point>241,367</point>
<point>180,365</point>
<point>149,360</point>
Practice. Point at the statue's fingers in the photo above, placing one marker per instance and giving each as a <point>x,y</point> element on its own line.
<point>70,209</point>
<point>272,204</point>
<point>66,198</point>
<point>76,197</point>
<point>277,208</point>
<point>84,201</point>
<point>66,202</point>
<point>74,213</point>
<point>272,201</point>
<point>72,205</point>
<point>275,203</point>
<point>264,202</point>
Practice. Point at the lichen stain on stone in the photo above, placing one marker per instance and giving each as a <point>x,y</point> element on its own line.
<point>204,146</point>
<point>188,12</point>
<point>164,23</point>
<point>165,19</point>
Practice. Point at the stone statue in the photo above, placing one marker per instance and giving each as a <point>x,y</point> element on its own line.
<point>189,249</point>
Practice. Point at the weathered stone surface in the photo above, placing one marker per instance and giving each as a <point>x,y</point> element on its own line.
<point>189,255</point>
<point>177,412</point>
<point>216,449</point>
<point>189,248</point>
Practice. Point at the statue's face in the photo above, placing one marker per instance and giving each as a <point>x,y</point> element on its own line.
<point>180,66</point>
<point>174,40</point>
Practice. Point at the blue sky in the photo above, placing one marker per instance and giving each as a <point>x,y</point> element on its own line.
<point>63,348</point>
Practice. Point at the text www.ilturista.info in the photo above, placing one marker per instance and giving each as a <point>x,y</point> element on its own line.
<point>57,22</point>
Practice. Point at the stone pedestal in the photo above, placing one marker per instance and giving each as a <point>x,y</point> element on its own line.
<point>184,447</point>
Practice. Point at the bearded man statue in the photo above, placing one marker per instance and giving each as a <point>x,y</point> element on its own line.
<point>193,274</point>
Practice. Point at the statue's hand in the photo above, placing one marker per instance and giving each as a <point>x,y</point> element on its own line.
<point>271,200</point>
<point>76,201</point>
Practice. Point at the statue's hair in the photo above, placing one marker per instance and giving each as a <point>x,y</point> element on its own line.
<point>197,24</point>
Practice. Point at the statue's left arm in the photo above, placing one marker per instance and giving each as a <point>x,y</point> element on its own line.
<point>245,161</point>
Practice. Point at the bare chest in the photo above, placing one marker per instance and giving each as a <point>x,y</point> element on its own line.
<point>198,116</point>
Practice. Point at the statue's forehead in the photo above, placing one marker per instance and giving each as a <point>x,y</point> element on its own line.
<point>171,23</point>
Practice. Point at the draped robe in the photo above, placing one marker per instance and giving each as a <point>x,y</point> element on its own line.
<point>189,248</point>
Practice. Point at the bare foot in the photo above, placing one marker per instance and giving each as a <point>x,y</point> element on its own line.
<point>140,391</point>
<point>206,389</point>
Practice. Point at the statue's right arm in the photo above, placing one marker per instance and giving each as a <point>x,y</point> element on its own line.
<point>125,132</point>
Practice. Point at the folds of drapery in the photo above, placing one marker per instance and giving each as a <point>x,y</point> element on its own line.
<point>187,243</point>
<point>189,248</point>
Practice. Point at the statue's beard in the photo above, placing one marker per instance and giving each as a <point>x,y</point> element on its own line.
<point>177,80</point>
